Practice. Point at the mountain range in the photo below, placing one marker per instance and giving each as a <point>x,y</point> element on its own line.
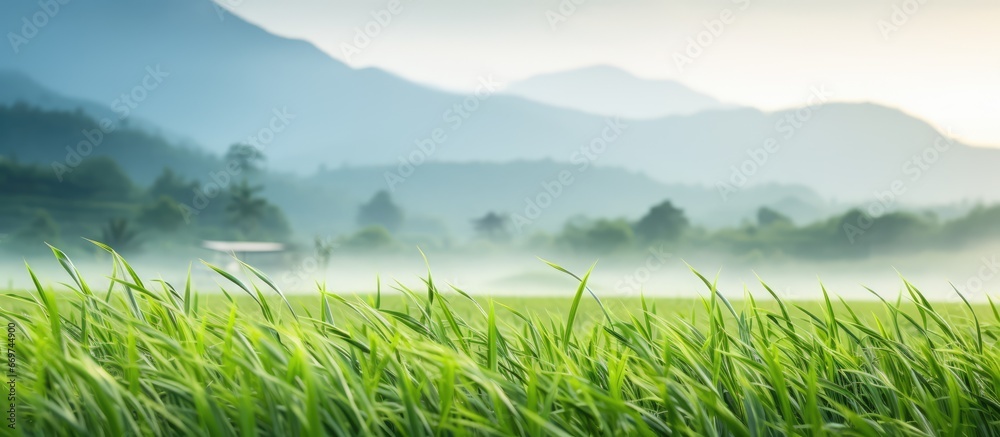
<point>438,198</point>
<point>612,92</point>
<point>220,79</point>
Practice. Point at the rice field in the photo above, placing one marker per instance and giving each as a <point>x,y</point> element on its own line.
<point>145,357</point>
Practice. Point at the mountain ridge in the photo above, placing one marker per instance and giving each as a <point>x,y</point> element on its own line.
<point>227,77</point>
<point>610,91</point>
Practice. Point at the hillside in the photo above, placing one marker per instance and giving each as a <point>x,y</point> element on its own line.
<point>439,197</point>
<point>226,80</point>
<point>609,91</point>
<point>17,87</point>
<point>61,140</point>
<point>452,194</point>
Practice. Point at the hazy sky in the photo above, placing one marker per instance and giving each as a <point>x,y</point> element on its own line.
<point>936,59</point>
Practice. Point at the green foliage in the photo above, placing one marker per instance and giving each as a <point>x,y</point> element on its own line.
<point>247,159</point>
<point>172,185</point>
<point>492,226</point>
<point>101,178</point>
<point>58,139</point>
<point>245,208</point>
<point>79,206</point>
<point>165,215</point>
<point>600,236</point>
<point>767,217</point>
<point>897,228</point>
<point>94,179</point>
<point>663,222</point>
<point>146,359</point>
<point>274,225</point>
<point>981,223</point>
<point>370,238</point>
<point>857,234</point>
<point>381,211</point>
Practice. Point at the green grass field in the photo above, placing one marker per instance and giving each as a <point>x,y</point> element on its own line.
<point>146,357</point>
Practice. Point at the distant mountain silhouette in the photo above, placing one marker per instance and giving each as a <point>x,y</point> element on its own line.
<point>61,139</point>
<point>610,91</point>
<point>846,151</point>
<point>220,79</point>
<point>18,87</point>
<point>449,194</point>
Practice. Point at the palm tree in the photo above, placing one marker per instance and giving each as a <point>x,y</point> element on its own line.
<point>245,208</point>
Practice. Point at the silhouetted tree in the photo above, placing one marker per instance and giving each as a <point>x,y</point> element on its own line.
<point>249,158</point>
<point>370,238</point>
<point>979,224</point>
<point>163,215</point>
<point>767,217</point>
<point>274,223</point>
<point>897,229</point>
<point>100,177</point>
<point>609,236</point>
<point>663,222</point>
<point>600,236</point>
<point>492,226</point>
<point>849,237</point>
<point>381,211</point>
<point>170,184</point>
<point>245,208</point>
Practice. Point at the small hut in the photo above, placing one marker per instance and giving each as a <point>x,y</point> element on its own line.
<point>243,250</point>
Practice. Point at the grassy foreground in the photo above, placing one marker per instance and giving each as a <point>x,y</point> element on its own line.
<point>147,358</point>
